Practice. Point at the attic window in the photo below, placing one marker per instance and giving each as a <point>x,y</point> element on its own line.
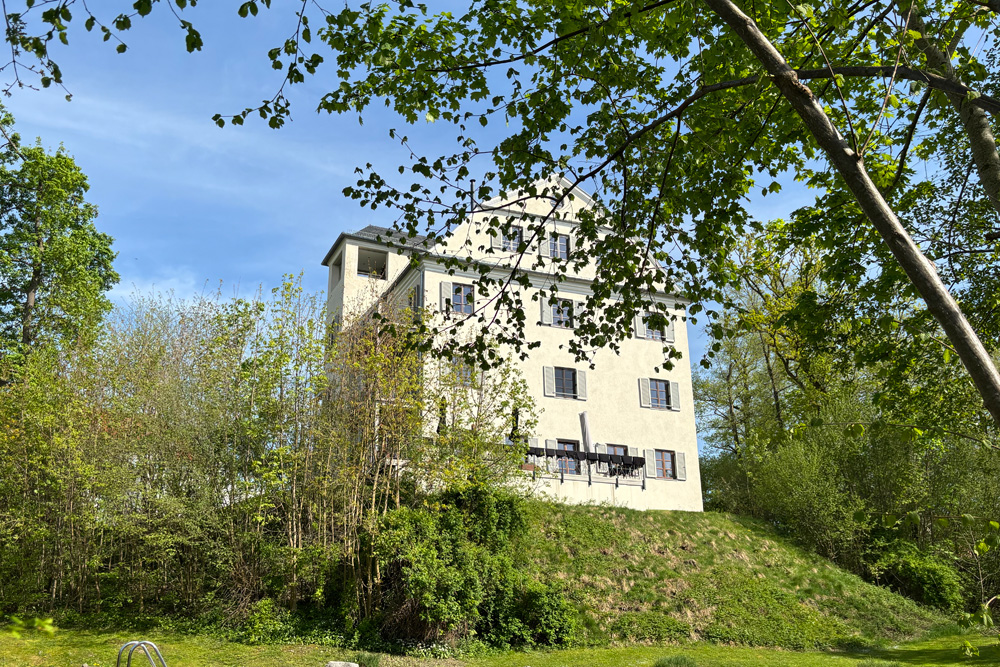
<point>372,263</point>
<point>336,269</point>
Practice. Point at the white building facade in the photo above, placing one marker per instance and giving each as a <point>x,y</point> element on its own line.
<point>640,449</point>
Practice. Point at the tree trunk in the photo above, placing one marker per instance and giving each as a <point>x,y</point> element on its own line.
<point>918,268</point>
<point>974,119</point>
<point>31,294</point>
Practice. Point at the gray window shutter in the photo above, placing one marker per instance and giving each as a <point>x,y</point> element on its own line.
<point>633,451</point>
<point>681,465</point>
<point>446,296</point>
<point>581,385</point>
<point>650,465</point>
<point>549,380</point>
<point>668,335</point>
<point>550,446</point>
<point>496,242</point>
<point>640,326</point>
<point>532,442</point>
<point>675,396</point>
<point>546,311</point>
<point>644,400</point>
<point>602,466</point>
<point>544,247</point>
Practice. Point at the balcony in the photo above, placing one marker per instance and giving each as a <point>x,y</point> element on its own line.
<point>586,467</point>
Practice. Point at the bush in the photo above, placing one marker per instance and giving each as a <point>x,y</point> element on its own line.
<point>919,576</point>
<point>267,623</point>
<point>449,571</point>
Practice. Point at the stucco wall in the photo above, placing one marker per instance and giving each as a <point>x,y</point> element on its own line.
<point>612,405</point>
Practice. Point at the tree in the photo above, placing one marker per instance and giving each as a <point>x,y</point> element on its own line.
<point>54,265</point>
<point>675,110</point>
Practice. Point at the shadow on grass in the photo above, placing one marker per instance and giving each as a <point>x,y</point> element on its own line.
<point>943,654</point>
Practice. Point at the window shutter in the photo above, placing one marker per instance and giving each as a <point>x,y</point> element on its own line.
<point>549,380</point>
<point>681,465</point>
<point>602,466</point>
<point>675,396</point>
<point>668,335</point>
<point>447,294</point>
<point>633,451</point>
<point>640,326</point>
<point>650,466</point>
<point>546,311</point>
<point>570,244</point>
<point>644,401</point>
<point>496,242</point>
<point>544,247</point>
<point>533,442</point>
<point>550,446</point>
<point>581,385</point>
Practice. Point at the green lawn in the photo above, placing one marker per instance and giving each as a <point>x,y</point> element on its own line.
<point>70,648</point>
<point>938,651</point>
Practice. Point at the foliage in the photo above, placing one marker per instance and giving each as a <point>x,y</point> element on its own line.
<point>15,626</point>
<point>54,265</point>
<point>855,448</point>
<point>453,574</point>
<point>920,576</point>
<point>664,109</point>
<point>225,463</point>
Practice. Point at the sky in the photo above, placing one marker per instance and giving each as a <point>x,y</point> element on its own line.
<point>193,207</point>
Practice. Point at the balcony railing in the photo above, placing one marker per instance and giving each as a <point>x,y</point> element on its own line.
<point>586,467</point>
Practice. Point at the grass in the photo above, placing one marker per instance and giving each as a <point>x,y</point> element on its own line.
<point>940,651</point>
<point>655,577</point>
<point>72,648</point>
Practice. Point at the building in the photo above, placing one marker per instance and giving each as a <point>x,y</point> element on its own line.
<point>641,450</point>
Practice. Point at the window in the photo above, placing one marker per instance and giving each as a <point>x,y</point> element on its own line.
<point>465,375</point>
<point>336,269</point>
<point>512,240</point>
<point>462,299</point>
<point>567,465</point>
<point>565,382</point>
<point>372,263</point>
<point>559,246</point>
<point>617,450</point>
<point>664,464</point>
<point>651,333</point>
<point>659,394</point>
<point>562,314</point>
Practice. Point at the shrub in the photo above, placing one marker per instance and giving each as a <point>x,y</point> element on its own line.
<point>267,623</point>
<point>920,576</point>
<point>449,570</point>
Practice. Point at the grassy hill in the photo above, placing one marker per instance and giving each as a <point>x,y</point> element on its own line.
<point>645,577</point>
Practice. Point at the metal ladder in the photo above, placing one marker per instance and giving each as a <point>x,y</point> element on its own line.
<point>132,646</point>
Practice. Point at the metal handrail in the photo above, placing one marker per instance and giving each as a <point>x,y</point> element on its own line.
<point>145,646</point>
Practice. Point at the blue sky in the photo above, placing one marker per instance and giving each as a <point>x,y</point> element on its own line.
<point>190,204</point>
